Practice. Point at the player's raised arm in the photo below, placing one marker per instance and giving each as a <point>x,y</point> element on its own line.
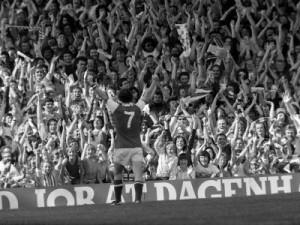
<point>107,95</point>
<point>101,92</point>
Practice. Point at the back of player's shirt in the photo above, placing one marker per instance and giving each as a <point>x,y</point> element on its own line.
<point>127,122</point>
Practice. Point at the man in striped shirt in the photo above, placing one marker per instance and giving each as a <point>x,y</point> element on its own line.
<point>49,176</point>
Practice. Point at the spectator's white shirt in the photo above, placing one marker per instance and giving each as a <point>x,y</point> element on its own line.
<point>12,173</point>
<point>167,166</point>
<point>185,175</point>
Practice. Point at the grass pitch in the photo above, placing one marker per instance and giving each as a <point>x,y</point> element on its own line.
<point>276,209</point>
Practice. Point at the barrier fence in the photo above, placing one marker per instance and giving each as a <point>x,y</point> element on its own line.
<point>30,198</point>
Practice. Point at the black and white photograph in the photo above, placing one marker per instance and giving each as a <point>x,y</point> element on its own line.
<point>161,112</point>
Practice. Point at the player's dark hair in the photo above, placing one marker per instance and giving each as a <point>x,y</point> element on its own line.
<point>125,95</point>
<point>134,89</point>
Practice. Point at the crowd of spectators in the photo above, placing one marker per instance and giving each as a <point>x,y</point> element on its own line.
<point>225,76</point>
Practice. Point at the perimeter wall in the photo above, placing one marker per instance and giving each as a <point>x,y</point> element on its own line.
<point>29,198</point>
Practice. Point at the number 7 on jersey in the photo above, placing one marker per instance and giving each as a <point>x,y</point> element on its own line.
<point>131,115</point>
